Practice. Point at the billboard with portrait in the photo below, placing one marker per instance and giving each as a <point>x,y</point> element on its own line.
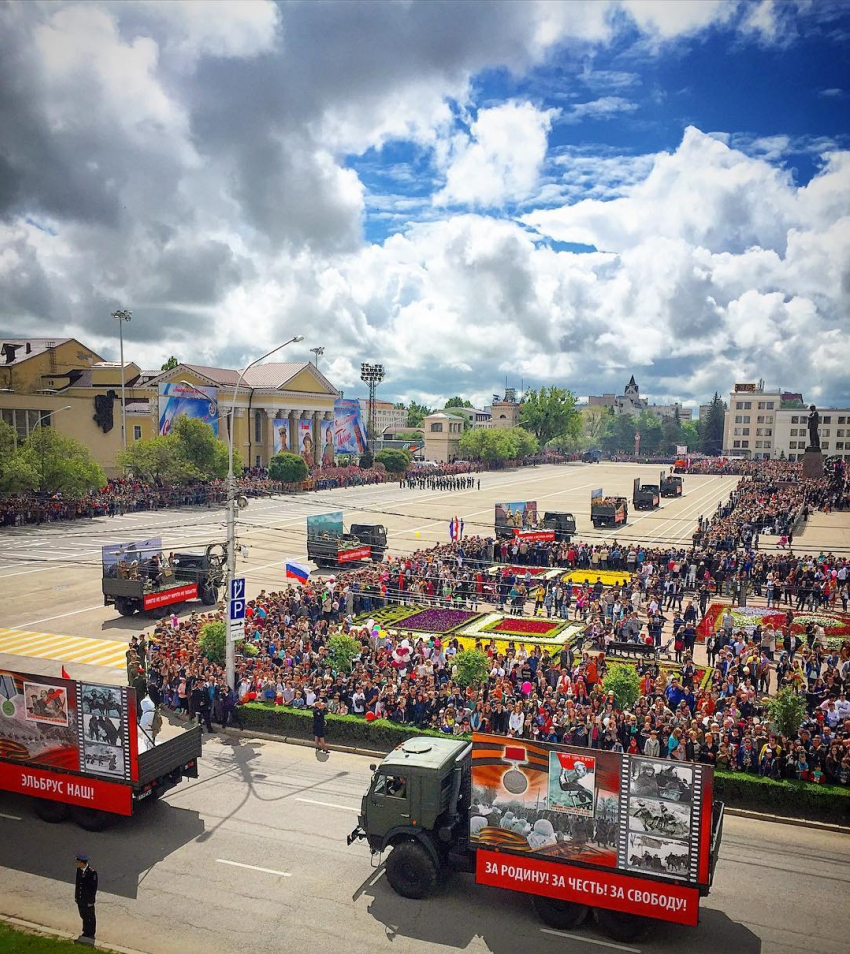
<point>519,515</point>
<point>348,432</point>
<point>176,399</point>
<point>306,447</point>
<point>325,526</point>
<point>281,444</point>
<point>595,807</point>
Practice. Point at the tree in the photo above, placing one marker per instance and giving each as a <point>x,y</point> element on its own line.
<point>212,641</point>
<point>471,667</point>
<point>170,364</point>
<point>651,433</point>
<point>671,431</point>
<point>396,461</point>
<point>497,444</point>
<point>787,710</point>
<point>549,413</point>
<point>17,472</point>
<point>288,468</point>
<point>624,682</point>
<point>416,413</point>
<point>342,651</point>
<point>457,401</point>
<point>712,428</point>
<point>366,460</point>
<point>595,422</point>
<point>63,464</point>
<point>620,435</point>
<point>690,435</point>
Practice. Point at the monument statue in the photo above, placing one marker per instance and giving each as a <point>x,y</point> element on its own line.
<point>814,420</point>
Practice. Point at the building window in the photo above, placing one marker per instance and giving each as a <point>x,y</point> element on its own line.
<point>739,405</point>
<point>748,405</point>
<point>746,431</point>
<point>736,444</point>
<point>795,419</point>
<point>839,445</point>
<point>770,405</point>
<point>826,420</point>
<point>761,405</point>
<point>793,432</point>
<point>842,420</point>
<point>258,427</point>
<point>825,445</point>
<point>739,418</point>
<point>137,432</point>
<point>758,443</point>
<point>768,443</point>
<point>825,432</point>
<point>745,443</point>
<point>737,431</point>
<point>24,421</point>
<point>437,428</point>
<point>746,418</point>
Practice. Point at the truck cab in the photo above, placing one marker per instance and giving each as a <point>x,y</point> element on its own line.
<point>593,456</point>
<point>564,525</point>
<point>646,496</point>
<point>373,535</point>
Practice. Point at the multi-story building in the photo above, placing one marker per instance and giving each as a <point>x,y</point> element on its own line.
<point>630,402</point>
<point>443,432</point>
<point>504,413</point>
<point>387,418</point>
<point>474,417</point>
<point>750,422</point>
<point>792,432</point>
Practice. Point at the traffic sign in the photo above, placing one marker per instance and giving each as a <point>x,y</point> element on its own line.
<point>237,609</point>
<point>237,588</point>
<point>237,630</point>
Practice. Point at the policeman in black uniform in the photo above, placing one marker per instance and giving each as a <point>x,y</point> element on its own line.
<point>85,894</point>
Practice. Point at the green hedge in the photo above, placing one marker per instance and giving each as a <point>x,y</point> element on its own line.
<point>738,790</point>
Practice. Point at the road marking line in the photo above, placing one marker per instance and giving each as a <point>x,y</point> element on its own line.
<point>312,801</point>
<point>592,940</point>
<point>11,817</point>
<point>238,864</point>
<point>47,619</point>
<point>377,877</point>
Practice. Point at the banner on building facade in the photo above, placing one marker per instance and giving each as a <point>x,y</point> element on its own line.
<point>177,399</point>
<point>281,443</point>
<point>349,434</point>
<point>306,447</point>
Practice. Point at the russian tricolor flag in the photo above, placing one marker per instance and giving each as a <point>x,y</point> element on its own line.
<point>297,571</point>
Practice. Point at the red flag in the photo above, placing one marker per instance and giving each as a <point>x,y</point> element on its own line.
<point>65,673</point>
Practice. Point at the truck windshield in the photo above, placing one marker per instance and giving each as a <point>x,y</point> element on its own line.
<point>393,786</point>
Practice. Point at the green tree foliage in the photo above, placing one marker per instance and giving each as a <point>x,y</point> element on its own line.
<point>787,710</point>
<point>712,428</point>
<point>651,433</point>
<point>288,468</point>
<point>342,651</point>
<point>170,364</point>
<point>366,460</point>
<point>472,667</point>
<point>61,464</point>
<point>495,444</point>
<point>624,682</point>
<point>17,473</point>
<point>396,461</point>
<point>619,437</point>
<point>550,413</point>
<point>690,435</point>
<point>190,451</point>
<point>595,422</point>
<point>671,431</point>
<point>212,641</point>
<point>457,401</point>
<point>416,413</point>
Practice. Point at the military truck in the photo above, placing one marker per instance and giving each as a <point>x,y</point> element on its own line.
<point>329,545</point>
<point>592,456</point>
<point>671,485</point>
<point>137,578</point>
<point>609,511</point>
<point>646,496</point>
<point>576,828</point>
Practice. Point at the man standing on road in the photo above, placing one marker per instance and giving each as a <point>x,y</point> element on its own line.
<point>85,894</point>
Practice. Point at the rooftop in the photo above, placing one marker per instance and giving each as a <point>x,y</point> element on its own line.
<point>16,350</point>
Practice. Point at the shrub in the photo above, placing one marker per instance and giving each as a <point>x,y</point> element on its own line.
<point>342,650</point>
<point>287,468</point>
<point>366,460</point>
<point>624,682</point>
<point>213,641</point>
<point>787,710</point>
<point>249,649</point>
<point>396,461</point>
<point>472,667</point>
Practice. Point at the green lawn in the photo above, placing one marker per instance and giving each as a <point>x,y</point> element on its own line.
<point>21,942</point>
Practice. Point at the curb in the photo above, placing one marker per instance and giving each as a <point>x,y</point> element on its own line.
<point>785,820</point>
<point>61,935</point>
<point>268,737</point>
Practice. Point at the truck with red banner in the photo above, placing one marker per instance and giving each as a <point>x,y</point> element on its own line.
<point>77,750</point>
<point>328,544</point>
<point>522,521</point>
<point>608,511</point>
<point>627,838</point>
<point>137,577</point>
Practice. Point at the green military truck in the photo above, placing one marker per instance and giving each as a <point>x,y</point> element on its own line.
<point>646,496</point>
<point>626,838</point>
<point>671,485</point>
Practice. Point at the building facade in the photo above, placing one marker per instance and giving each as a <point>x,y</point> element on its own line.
<point>750,422</point>
<point>504,413</point>
<point>443,432</point>
<point>474,417</point>
<point>791,432</point>
<point>387,418</point>
<point>630,402</point>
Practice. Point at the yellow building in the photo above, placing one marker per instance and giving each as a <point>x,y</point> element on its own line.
<point>63,384</point>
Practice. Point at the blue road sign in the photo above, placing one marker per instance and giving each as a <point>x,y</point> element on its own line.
<point>237,609</point>
<point>237,588</point>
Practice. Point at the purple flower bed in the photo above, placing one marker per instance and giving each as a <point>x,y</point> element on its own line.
<point>437,620</point>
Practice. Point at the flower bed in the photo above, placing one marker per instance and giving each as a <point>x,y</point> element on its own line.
<point>746,618</point>
<point>541,628</point>
<point>388,615</point>
<point>607,577</point>
<point>439,621</point>
<point>538,572</point>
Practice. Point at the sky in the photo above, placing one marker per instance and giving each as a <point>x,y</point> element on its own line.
<point>473,194</point>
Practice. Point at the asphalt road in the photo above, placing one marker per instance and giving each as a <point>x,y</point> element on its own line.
<point>253,855</point>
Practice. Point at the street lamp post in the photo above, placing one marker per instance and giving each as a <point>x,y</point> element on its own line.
<point>372,375</point>
<point>121,316</point>
<point>230,649</point>
<point>318,352</point>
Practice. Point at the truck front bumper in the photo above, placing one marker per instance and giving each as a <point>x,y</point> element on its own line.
<point>356,835</point>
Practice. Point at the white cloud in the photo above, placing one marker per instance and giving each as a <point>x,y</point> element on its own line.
<point>672,18</point>
<point>606,107</point>
<point>501,158</point>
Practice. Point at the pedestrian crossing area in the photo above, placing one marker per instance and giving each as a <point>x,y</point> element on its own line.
<point>66,649</point>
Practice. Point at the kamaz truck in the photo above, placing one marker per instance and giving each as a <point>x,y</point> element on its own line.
<point>623,838</point>
<point>671,485</point>
<point>328,544</point>
<point>609,511</point>
<point>522,520</point>
<point>646,496</point>
<point>137,577</point>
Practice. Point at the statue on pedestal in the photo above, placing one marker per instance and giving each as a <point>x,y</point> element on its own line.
<point>814,420</point>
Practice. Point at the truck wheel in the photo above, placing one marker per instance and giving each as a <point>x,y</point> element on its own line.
<point>53,812</point>
<point>620,926</point>
<point>124,606</point>
<point>411,871</point>
<point>561,915</point>
<point>91,819</point>
<point>596,524</point>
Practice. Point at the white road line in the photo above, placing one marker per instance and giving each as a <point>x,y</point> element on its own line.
<point>47,619</point>
<point>377,877</point>
<point>11,817</point>
<point>238,864</point>
<point>312,801</point>
<point>42,569</point>
<point>592,940</point>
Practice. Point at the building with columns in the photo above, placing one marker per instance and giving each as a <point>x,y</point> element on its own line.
<point>278,391</point>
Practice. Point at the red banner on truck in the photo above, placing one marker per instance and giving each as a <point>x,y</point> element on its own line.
<point>533,536</point>
<point>166,597</point>
<point>70,789</point>
<point>351,556</point>
<point>600,889</point>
